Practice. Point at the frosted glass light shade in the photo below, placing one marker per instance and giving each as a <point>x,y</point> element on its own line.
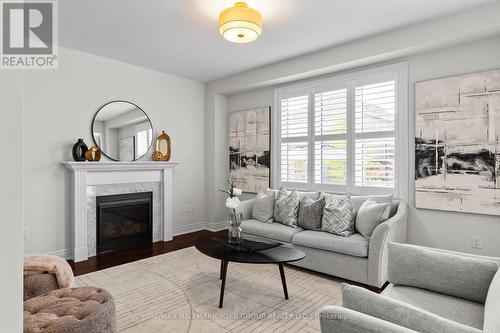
<point>240,24</point>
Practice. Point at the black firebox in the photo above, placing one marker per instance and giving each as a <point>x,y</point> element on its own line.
<point>124,220</point>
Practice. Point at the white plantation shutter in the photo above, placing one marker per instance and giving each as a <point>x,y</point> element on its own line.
<point>294,162</point>
<point>340,135</point>
<point>330,123</point>
<point>294,112</point>
<point>375,162</point>
<point>330,112</point>
<point>294,131</point>
<point>375,110</point>
<point>330,165</point>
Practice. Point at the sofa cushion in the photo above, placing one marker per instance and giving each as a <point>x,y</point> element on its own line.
<point>354,245</point>
<point>310,213</point>
<point>263,207</point>
<point>370,215</point>
<point>338,216</point>
<point>276,231</point>
<point>286,208</point>
<point>492,306</point>
<point>445,273</point>
<point>457,309</point>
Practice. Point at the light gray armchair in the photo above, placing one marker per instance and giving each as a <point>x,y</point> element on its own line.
<point>431,291</point>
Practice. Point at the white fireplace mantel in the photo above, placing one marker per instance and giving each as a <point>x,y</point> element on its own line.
<point>85,174</point>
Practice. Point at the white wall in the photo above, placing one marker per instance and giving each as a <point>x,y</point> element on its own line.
<point>427,227</point>
<point>446,229</point>
<point>59,106</point>
<point>11,201</point>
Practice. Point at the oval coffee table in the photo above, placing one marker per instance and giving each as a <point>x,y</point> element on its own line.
<point>214,247</point>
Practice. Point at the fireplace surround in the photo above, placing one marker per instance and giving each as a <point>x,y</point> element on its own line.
<point>89,180</point>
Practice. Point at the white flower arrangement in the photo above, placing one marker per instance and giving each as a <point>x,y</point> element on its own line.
<point>232,202</point>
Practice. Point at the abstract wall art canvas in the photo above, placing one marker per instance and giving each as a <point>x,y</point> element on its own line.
<point>250,149</point>
<point>457,148</point>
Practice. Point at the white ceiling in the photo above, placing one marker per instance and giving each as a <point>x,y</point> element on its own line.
<point>180,37</point>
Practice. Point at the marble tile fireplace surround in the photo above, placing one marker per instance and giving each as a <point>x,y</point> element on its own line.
<point>92,179</point>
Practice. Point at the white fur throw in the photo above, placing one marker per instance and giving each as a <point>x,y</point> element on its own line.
<point>53,265</point>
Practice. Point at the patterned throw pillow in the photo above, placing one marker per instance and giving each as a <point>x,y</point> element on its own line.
<point>286,207</point>
<point>338,216</point>
<point>310,213</point>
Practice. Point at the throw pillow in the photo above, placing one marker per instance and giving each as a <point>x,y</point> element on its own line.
<point>338,216</point>
<point>370,215</point>
<point>263,207</point>
<point>310,213</point>
<point>286,208</point>
<point>358,200</point>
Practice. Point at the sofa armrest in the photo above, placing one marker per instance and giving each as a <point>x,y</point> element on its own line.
<point>245,208</point>
<point>391,230</point>
<point>336,319</point>
<point>399,313</point>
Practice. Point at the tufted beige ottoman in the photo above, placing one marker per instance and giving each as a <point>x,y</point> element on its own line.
<point>71,310</point>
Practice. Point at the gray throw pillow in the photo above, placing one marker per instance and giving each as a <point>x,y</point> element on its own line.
<point>263,207</point>
<point>370,215</point>
<point>338,216</point>
<point>358,200</point>
<point>286,207</point>
<point>310,213</point>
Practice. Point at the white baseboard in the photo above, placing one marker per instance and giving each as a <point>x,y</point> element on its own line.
<point>217,226</point>
<point>66,254</point>
<point>186,229</point>
<point>211,226</point>
<point>180,230</point>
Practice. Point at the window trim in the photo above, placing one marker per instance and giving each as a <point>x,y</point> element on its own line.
<point>398,72</point>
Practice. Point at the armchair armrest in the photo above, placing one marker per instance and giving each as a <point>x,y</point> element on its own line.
<point>392,230</point>
<point>336,319</point>
<point>399,313</point>
<point>245,208</point>
<point>446,273</point>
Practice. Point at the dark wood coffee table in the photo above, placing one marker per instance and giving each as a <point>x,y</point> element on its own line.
<point>214,247</point>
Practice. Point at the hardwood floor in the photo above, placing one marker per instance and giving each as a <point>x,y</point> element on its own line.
<point>115,258</point>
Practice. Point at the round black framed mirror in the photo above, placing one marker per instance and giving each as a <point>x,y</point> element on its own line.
<point>122,130</point>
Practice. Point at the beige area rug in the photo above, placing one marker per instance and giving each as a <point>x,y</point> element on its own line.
<point>179,292</point>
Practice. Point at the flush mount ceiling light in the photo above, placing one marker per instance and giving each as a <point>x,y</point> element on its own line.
<point>240,24</point>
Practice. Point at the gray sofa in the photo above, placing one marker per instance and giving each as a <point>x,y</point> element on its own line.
<point>353,258</point>
<point>432,291</point>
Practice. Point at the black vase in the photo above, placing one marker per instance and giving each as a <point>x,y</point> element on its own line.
<point>79,149</point>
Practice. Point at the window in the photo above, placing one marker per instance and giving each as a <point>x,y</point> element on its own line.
<point>341,134</point>
<point>144,137</point>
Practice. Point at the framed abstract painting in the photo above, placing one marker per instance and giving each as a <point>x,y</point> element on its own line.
<point>457,145</point>
<point>250,149</point>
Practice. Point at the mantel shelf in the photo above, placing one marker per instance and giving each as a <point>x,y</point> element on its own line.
<point>117,166</point>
